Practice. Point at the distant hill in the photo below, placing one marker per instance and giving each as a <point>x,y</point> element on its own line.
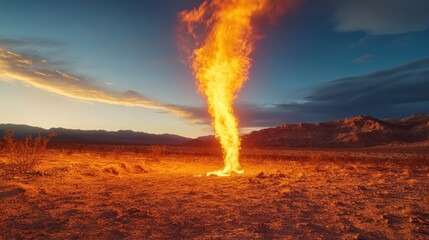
<point>95,136</point>
<point>361,131</point>
<point>203,141</point>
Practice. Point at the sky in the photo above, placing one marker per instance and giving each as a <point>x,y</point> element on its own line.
<point>116,65</point>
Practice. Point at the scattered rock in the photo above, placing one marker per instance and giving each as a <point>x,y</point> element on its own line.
<point>254,181</point>
<point>12,192</point>
<point>359,236</point>
<point>139,169</point>
<point>124,166</point>
<point>111,170</point>
<point>133,210</point>
<point>421,231</point>
<point>287,192</point>
<point>262,227</point>
<point>110,214</point>
<point>418,219</point>
<point>261,175</point>
<point>300,225</point>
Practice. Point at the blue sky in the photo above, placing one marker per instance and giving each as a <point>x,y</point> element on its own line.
<point>322,60</point>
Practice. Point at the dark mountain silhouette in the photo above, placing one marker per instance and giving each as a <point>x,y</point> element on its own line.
<point>361,131</point>
<point>94,136</point>
<point>203,141</point>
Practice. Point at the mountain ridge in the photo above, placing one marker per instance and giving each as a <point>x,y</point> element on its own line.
<point>95,136</point>
<point>359,131</point>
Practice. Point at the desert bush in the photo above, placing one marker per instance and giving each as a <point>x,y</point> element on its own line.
<point>25,155</point>
<point>156,152</point>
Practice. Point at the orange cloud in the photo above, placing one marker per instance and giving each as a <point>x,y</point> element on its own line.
<point>38,73</point>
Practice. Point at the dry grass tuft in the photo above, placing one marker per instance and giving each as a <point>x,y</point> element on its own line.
<point>25,155</point>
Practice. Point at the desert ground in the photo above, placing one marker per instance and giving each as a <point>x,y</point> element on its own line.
<point>138,192</point>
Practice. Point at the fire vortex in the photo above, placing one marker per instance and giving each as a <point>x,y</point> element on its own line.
<point>223,34</point>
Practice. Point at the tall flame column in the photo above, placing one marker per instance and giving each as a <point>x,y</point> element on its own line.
<point>221,63</point>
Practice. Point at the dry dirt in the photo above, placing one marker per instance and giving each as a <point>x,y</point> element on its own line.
<point>126,192</point>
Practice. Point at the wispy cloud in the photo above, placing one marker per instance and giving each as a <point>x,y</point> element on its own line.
<point>364,41</point>
<point>382,16</point>
<point>364,58</point>
<point>35,71</point>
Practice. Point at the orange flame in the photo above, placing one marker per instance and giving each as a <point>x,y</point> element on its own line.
<point>221,62</point>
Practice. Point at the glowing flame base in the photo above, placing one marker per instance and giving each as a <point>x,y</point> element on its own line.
<point>223,173</point>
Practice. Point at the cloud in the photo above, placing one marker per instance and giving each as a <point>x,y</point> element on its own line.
<point>362,41</point>
<point>364,58</point>
<point>378,17</point>
<point>398,91</point>
<point>35,71</point>
<point>407,83</point>
<point>394,92</point>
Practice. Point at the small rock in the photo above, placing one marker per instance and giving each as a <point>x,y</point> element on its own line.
<point>254,181</point>
<point>421,231</point>
<point>286,191</point>
<point>261,175</point>
<point>418,219</point>
<point>359,236</point>
<point>300,225</point>
<point>362,188</point>
<point>133,210</point>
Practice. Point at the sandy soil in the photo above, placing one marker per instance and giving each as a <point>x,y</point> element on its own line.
<point>117,192</point>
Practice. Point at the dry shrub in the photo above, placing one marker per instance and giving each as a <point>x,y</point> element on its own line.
<point>25,155</point>
<point>156,152</point>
